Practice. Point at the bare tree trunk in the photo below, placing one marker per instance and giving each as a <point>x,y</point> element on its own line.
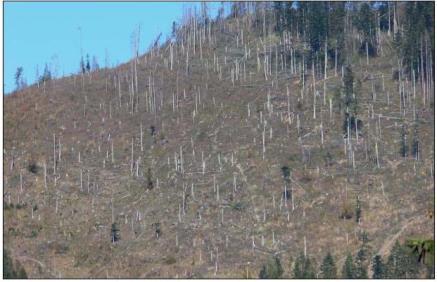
<point>132,158</point>
<point>141,136</point>
<point>21,182</point>
<point>45,176</point>
<point>54,154</point>
<point>326,58</point>
<point>112,151</point>
<point>367,52</point>
<point>377,154</point>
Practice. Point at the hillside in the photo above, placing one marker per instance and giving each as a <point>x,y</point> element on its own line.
<point>187,149</point>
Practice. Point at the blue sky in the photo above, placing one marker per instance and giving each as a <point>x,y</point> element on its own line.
<point>47,32</point>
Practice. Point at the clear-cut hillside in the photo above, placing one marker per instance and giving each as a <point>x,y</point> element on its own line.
<point>184,148</point>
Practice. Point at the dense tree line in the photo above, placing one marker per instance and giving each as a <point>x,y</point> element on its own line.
<point>404,261</point>
<point>347,27</point>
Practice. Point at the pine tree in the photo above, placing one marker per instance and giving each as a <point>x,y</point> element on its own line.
<point>303,268</point>
<point>309,270</point>
<point>174,28</point>
<point>82,65</point>
<point>349,270</point>
<point>115,233</point>
<point>336,37</point>
<point>18,78</point>
<point>273,269</point>
<point>263,273</point>
<point>378,268</point>
<point>317,25</point>
<point>401,263</point>
<point>328,269</point>
<point>285,173</point>
<point>149,179</point>
<point>412,37</point>
<point>418,25</point>
<point>382,9</point>
<point>404,145</point>
<point>348,90</point>
<point>299,265</point>
<point>365,24</point>
<point>358,211</point>
<point>88,66</point>
<point>360,263</point>
<point>415,143</point>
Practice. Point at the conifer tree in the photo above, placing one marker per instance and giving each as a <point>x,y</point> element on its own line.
<point>286,173</point>
<point>317,25</point>
<point>263,273</point>
<point>400,263</point>
<point>415,143</point>
<point>18,78</point>
<point>349,270</point>
<point>336,32</point>
<point>174,28</point>
<point>358,211</point>
<point>360,263</point>
<point>328,269</point>
<point>303,268</point>
<point>88,66</point>
<point>382,9</point>
<point>299,265</point>
<point>365,24</point>
<point>348,90</point>
<point>115,233</point>
<point>149,179</point>
<point>309,269</point>
<point>418,25</point>
<point>273,269</point>
<point>82,65</point>
<point>378,268</point>
<point>404,145</point>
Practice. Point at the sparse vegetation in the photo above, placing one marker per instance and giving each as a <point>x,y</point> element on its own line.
<point>225,149</point>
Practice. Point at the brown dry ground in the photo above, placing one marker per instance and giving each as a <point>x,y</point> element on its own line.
<point>75,242</point>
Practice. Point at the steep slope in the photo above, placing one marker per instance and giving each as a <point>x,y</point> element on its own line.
<point>176,137</point>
